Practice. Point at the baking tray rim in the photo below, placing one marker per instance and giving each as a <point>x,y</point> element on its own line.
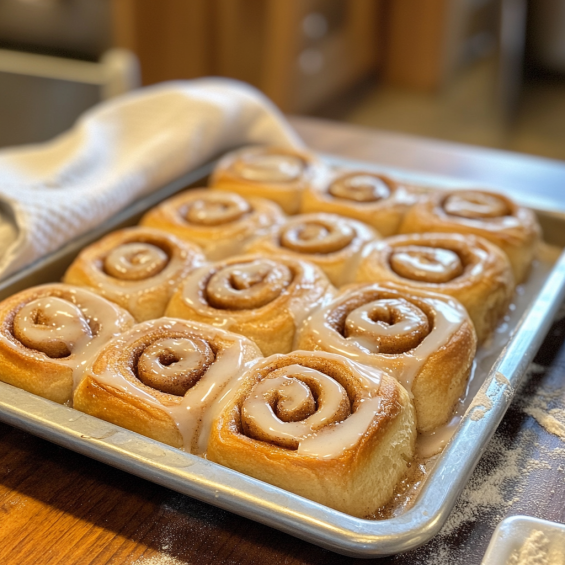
<point>262,502</point>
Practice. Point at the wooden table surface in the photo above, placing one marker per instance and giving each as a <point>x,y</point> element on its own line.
<point>57,507</point>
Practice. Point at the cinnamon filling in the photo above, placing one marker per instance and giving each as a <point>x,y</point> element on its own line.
<point>135,261</point>
<point>391,326</point>
<point>174,365</point>
<point>317,237</point>
<point>476,205</point>
<point>51,325</point>
<point>360,188</point>
<point>270,167</point>
<point>246,286</point>
<point>291,404</point>
<point>216,209</point>
<point>426,264</point>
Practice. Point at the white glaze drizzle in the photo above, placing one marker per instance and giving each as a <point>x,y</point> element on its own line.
<point>269,167</point>
<point>135,261</point>
<point>305,278</point>
<point>316,236</point>
<point>335,439</point>
<point>476,205</point>
<point>107,319</point>
<point>332,440</point>
<point>449,317</point>
<point>366,321</point>
<point>51,324</point>
<point>193,413</point>
<point>215,209</point>
<point>474,267</point>
<point>360,187</point>
<point>428,264</point>
<point>251,284</point>
<point>494,213</point>
<point>256,408</point>
<point>188,357</point>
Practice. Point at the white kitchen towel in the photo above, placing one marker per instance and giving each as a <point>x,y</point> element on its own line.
<point>120,150</point>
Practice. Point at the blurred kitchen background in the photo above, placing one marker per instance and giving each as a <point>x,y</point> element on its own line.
<point>486,72</point>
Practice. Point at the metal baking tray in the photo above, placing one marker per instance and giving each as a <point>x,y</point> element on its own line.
<point>499,374</point>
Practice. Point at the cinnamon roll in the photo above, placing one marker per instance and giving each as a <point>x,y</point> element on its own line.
<point>467,267</point>
<point>490,215</point>
<point>377,200</point>
<point>221,223</point>
<point>264,299</point>
<point>138,268</point>
<point>48,333</point>
<point>166,379</point>
<point>321,426</point>
<point>425,340</point>
<point>331,242</point>
<point>278,174</point>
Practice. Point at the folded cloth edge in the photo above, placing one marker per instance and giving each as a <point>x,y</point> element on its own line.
<point>120,150</point>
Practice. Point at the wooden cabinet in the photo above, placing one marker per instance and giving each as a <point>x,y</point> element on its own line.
<point>427,40</point>
<point>173,39</point>
<point>299,52</point>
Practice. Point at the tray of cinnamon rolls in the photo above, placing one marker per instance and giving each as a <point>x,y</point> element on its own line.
<point>318,345</point>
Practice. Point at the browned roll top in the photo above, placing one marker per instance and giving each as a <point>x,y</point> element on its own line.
<point>292,403</point>
<point>135,261</point>
<point>360,187</point>
<point>173,365</point>
<point>272,166</point>
<point>218,208</point>
<point>247,285</point>
<point>51,325</point>
<point>386,325</point>
<point>427,264</point>
<point>477,205</point>
<point>320,236</point>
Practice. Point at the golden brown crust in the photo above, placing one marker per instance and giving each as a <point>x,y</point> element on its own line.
<point>425,340</point>
<point>264,299</point>
<point>355,476</point>
<point>279,174</point>
<point>115,388</point>
<point>36,370</point>
<point>490,215</point>
<point>220,222</point>
<point>331,242</point>
<point>466,267</point>
<point>112,267</point>
<point>375,199</point>
<point>113,405</point>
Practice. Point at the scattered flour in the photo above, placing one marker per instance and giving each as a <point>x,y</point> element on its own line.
<point>499,481</point>
<point>548,420</point>
<point>547,406</point>
<point>161,559</point>
<point>535,551</point>
<point>480,406</point>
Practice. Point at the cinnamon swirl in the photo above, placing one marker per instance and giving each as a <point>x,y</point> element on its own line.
<point>166,379</point>
<point>490,215</point>
<point>278,174</point>
<point>425,340</point>
<point>138,268</point>
<point>264,299</point>
<point>467,267</point>
<point>321,426</point>
<point>221,223</point>
<point>48,334</point>
<point>331,242</point>
<point>377,200</point>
